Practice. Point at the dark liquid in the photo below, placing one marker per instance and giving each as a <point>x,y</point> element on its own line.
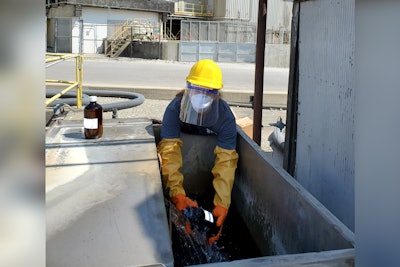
<point>235,242</point>
<point>93,111</point>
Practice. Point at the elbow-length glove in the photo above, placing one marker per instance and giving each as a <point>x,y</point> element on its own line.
<point>171,164</point>
<point>224,176</point>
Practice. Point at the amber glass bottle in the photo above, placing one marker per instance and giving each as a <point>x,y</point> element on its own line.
<point>93,119</point>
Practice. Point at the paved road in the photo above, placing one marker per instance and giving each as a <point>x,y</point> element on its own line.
<point>99,70</point>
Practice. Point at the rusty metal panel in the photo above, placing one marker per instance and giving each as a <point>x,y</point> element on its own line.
<point>325,139</point>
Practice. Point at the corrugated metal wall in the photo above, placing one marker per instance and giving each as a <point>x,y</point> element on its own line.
<point>227,42</point>
<point>219,52</point>
<point>279,12</point>
<point>221,31</point>
<point>232,9</point>
<point>325,139</point>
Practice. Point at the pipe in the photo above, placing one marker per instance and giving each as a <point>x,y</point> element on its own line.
<point>278,139</point>
<point>250,105</point>
<point>135,99</point>
<point>259,71</point>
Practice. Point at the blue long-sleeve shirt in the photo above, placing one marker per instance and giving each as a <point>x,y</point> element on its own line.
<point>224,128</point>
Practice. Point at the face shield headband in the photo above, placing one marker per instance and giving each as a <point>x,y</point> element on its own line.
<point>199,106</point>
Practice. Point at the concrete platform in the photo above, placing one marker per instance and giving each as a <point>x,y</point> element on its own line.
<point>104,199</point>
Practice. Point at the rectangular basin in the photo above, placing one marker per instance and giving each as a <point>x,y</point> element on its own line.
<point>285,221</point>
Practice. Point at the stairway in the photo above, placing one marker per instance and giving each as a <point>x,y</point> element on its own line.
<point>131,29</point>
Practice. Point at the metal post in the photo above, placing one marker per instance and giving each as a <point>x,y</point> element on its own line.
<point>208,31</point>
<point>289,156</point>
<point>259,71</point>
<point>79,77</point>
<point>159,40</point>
<point>170,29</point>
<point>80,36</point>
<point>190,31</point>
<point>55,35</point>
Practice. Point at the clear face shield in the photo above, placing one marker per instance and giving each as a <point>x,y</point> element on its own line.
<point>199,106</point>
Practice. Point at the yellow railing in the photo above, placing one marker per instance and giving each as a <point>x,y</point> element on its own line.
<point>197,10</point>
<point>56,58</point>
<point>131,29</point>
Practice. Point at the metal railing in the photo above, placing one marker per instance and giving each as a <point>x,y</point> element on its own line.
<point>54,58</point>
<point>138,29</point>
<point>191,9</point>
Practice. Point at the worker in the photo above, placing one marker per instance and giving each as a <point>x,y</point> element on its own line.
<point>199,109</point>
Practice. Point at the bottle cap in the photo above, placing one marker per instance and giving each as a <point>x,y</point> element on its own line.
<point>93,98</point>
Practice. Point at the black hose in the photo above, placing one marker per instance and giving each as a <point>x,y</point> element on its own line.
<point>135,99</point>
<point>250,105</point>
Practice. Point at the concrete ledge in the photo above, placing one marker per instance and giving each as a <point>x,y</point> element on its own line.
<point>240,97</point>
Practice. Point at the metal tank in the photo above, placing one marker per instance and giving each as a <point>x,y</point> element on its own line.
<point>105,204</point>
<point>283,218</point>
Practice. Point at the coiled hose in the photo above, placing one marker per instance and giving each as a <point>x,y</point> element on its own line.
<point>135,99</point>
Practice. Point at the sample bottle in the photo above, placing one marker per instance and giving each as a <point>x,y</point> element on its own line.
<point>210,222</point>
<point>93,119</point>
<point>203,220</point>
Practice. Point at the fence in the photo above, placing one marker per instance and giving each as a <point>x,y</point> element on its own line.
<point>230,32</point>
<point>57,58</point>
<point>227,41</point>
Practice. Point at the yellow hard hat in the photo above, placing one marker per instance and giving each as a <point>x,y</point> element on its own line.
<point>206,73</point>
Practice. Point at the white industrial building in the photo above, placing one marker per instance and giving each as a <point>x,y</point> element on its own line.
<point>84,26</point>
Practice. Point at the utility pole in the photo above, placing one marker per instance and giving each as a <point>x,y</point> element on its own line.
<point>259,71</point>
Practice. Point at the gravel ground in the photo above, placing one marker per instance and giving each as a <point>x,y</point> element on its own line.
<point>154,109</point>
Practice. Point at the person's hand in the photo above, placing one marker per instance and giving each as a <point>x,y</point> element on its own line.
<point>182,202</point>
<point>220,213</point>
<point>178,217</point>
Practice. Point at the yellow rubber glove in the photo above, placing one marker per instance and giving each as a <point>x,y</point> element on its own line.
<point>224,175</point>
<point>171,164</point>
